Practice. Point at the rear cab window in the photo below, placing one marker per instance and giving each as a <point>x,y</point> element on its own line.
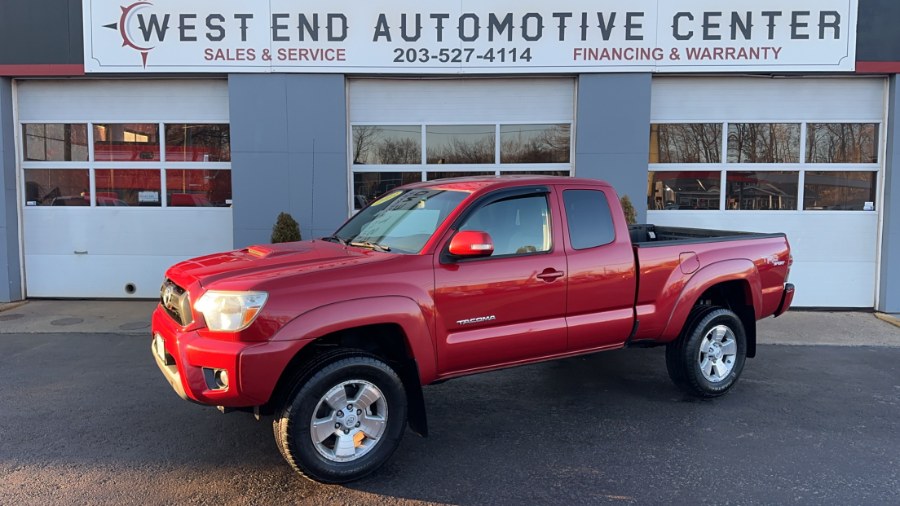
<point>589,218</point>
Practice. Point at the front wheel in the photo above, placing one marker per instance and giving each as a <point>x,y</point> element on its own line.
<point>343,420</point>
<point>708,357</point>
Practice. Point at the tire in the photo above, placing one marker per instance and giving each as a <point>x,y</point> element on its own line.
<point>326,442</point>
<point>708,357</point>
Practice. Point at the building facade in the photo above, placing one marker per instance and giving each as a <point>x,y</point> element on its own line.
<point>136,134</point>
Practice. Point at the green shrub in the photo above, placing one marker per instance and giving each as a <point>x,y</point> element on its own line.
<point>628,209</point>
<point>286,229</point>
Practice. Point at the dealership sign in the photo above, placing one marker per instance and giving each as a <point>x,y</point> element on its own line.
<point>469,37</point>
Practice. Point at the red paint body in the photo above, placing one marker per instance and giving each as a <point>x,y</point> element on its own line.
<point>560,303</point>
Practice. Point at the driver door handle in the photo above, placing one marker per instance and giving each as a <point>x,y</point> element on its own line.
<point>550,274</point>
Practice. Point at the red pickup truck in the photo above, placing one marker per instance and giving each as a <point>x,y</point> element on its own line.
<point>335,337</point>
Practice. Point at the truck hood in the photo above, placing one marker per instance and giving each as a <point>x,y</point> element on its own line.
<point>245,268</point>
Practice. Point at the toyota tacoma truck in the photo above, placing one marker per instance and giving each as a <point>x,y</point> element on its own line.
<point>335,337</point>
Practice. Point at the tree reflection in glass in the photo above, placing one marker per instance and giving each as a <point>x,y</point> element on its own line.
<point>387,144</point>
<point>463,144</point>
<point>686,143</point>
<point>764,143</point>
<point>535,143</point>
<point>841,143</point>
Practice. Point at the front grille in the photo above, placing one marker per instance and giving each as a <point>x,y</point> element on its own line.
<point>177,302</point>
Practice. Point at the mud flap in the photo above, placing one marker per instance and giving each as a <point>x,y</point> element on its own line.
<point>415,399</point>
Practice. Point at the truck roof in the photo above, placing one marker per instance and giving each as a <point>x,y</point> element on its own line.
<point>476,183</point>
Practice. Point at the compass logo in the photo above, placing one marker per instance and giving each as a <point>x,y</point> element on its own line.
<point>126,25</point>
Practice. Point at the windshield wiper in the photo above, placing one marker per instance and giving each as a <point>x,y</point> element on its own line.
<point>371,245</point>
<point>334,238</point>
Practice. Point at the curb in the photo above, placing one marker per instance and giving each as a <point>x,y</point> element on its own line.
<point>8,306</point>
<point>888,318</point>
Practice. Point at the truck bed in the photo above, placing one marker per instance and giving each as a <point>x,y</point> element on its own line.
<point>647,235</point>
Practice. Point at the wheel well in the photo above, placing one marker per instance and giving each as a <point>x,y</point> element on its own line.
<point>386,341</point>
<point>736,296</point>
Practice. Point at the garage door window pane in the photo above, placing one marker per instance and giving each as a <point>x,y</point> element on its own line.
<point>763,143</point>
<point>128,187</point>
<point>198,188</point>
<point>839,191</point>
<point>762,191</point>
<point>460,143</point>
<point>198,143</point>
<point>367,186</point>
<point>126,142</point>
<point>387,144</point>
<point>686,143</point>
<point>534,143</point>
<point>55,142</point>
<point>841,143</point>
<point>57,187</point>
<point>684,190</point>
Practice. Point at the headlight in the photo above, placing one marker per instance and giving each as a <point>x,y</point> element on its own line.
<point>230,311</point>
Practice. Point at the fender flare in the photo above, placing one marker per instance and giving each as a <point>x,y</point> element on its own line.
<point>709,276</point>
<point>397,310</point>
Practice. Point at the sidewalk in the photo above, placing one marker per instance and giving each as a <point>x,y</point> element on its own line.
<point>44,316</point>
<point>132,317</point>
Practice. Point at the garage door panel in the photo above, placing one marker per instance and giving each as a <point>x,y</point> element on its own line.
<point>837,249</point>
<point>766,99</point>
<point>177,232</point>
<point>451,100</point>
<point>128,100</point>
<point>834,284</point>
<point>95,276</point>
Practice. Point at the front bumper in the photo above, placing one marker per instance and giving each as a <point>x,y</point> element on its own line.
<point>253,369</point>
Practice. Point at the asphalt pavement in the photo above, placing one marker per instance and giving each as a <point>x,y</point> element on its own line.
<point>85,417</point>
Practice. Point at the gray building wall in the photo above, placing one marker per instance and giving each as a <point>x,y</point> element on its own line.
<point>613,131</point>
<point>288,153</point>
<point>889,289</point>
<point>42,32</point>
<point>10,272</point>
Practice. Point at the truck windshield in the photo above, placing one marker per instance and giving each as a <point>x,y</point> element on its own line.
<point>400,222</point>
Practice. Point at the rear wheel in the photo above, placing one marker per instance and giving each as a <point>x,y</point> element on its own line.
<point>708,357</point>
<point>343,420</point>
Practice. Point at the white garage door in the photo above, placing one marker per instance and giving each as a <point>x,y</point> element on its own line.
<point>414,130</point>
<point>801,156</point>
<point>119,180</point>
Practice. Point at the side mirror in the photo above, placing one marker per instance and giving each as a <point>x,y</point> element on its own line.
<point>471,244</point>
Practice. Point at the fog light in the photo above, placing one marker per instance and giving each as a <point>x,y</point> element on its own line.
<point>216,379</point>
<point>221,376</point>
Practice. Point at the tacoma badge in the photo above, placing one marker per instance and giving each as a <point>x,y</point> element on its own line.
<point>477,319</point>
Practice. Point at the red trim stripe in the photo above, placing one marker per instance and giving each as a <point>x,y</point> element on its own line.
<point>42,70</point>
<point>878,67</point>
<point>65,69</point>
